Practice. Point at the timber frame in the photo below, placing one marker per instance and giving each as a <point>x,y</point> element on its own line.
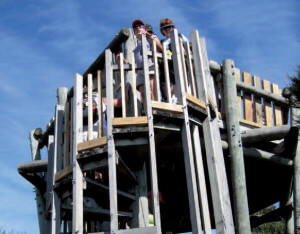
<point>209,161</point>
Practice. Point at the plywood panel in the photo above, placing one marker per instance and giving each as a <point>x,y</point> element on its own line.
<point>248,108</point>
<point>267,105</point>
<point>277,109</point>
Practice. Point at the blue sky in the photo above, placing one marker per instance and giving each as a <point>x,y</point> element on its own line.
<point>44,43</point>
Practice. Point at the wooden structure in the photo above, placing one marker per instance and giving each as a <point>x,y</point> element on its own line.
<point>174,162</point>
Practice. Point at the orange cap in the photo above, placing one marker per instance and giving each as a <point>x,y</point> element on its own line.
<point>137,21</point>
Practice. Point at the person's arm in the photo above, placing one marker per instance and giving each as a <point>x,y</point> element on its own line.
<point>118,59</point>
<point>157,41</point>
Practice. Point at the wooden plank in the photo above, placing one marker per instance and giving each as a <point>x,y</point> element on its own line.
<point>190,68</point>
<point>248,108</point>
<point>71,141</point>
<point>140,209</point>
<point>90,107</point>
<point>156,72</point>
<point>277,109</point>
<point>88,145</point>
<point>213,147</point>
<point>186,137</point>
<point>63,173</point>
<point>251,124</point>
<point>135,108</point>
<point>111,146</point>
<point>40,202</point>
<point>122,80</point>
<point>267,105</point>
<point>167,107</point>
<point>67,135</point>
<point>196,101</point>
<point>152,150</point>
<point>257,102</point>
<point>118,122</point>
<point>167,75</point>
<point>237,75</point>
<point>186,85</point>
<point>49,190</point>
<point>201,180</point>
<point>99,107</point>
<point>77,126</point>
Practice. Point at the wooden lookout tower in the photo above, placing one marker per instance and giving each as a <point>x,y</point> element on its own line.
<point>222,150</point>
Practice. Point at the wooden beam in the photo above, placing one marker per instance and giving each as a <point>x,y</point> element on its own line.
<point>88,145</point>
<point>196,101</point>
<point>251,124</point>
<point>167,107</point>
<point>63,173</point>
<point>118,122</point>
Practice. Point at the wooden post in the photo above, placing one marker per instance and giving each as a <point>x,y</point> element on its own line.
<point>50,178</point>
<point>186,137</point>
<point>213,147</point>
<point>40,203</point>
<point>167,75</point>
<point>99,88</point>
<point>56,162</point>
<point>240,200</point>
<point>140,206</point>
<point>112,172</point>
<point>295,121</point>
<point>90,107</point>
<point>129,46</point>
<point>148,107</point>
<point>77,122</point>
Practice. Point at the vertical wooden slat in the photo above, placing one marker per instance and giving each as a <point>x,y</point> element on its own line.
<point>148,107</point>
<point>40,202</point>
<point>167,75</point>
<point>267,104</point>
<point>156,72</point>
<point>50,177</point>
<point>110,144</point>
<point>277,109</point>
<point>67,135</point>
<point>134,87</point>
<point>248,109</point>
<point>71,130</point>
<point>57,166</point>
<point>77,122</point>
<point>183,65</point>
<point>190,68</point>
<point>201,180</point>
<point>213,148</point>
<point>122,80</point>
<point>90,107</point>
<point>99,107</point>
<point>186,137</point>
<point>257,103</point>
<point>237,75</point>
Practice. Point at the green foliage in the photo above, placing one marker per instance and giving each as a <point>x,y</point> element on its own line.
<point>295,85</point>
<point>273,227</point>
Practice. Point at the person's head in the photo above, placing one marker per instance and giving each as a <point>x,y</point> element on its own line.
<point>138,26</point>
<point>166,26</point>
<point>149,28</point>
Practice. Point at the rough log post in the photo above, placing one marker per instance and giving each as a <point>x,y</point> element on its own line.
<point>295,121</point>
<point>40,203</point>
<point>240,200</point>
